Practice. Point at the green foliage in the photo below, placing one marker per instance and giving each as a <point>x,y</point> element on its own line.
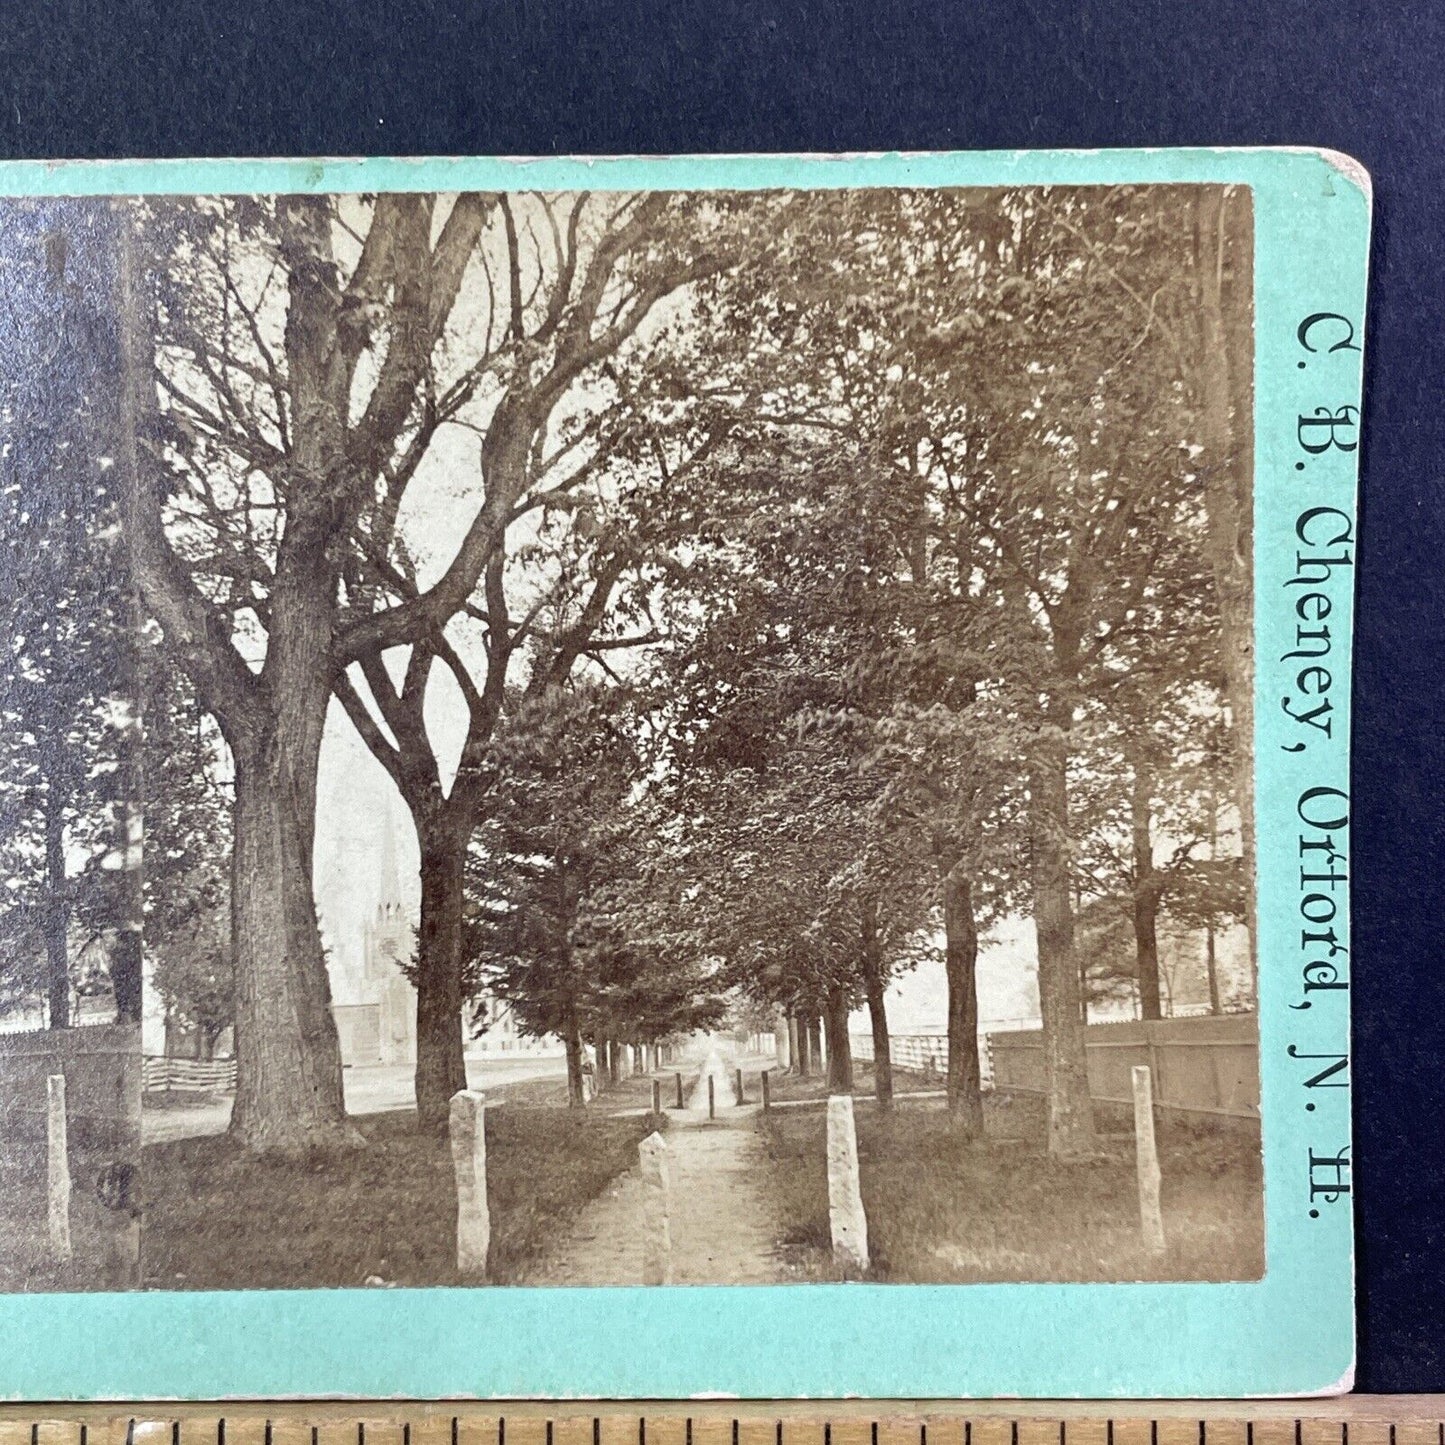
<point>573,916</point>
<point>65,702</point>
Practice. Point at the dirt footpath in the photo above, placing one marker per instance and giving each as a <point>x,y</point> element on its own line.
<point>723,1226</point>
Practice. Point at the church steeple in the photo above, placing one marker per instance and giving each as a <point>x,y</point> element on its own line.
<point>390,901</point>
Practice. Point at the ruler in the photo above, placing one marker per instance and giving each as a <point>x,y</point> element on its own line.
<point>1348,1420</point>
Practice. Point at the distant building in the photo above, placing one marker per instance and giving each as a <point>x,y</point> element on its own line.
<point>375,1005</point>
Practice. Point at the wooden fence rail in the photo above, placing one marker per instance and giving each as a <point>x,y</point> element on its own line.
<point>160,1074</point>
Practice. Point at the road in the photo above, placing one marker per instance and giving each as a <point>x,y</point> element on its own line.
<point>375,1089</point>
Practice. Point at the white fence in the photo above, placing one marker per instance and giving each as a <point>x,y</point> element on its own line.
<point>924,1053</point>
<point>161,1074</point>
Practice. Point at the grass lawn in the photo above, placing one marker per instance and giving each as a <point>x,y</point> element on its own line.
<point>217,1219</point>
<point>102,1253</point>
<point>945,1211</point>
<point>626,1095</point>
<point>815,1086</point>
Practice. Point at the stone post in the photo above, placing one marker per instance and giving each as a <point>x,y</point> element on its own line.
<point>1146,1156</point>
<point>738,1087</point>
<point>679,1090</point>
<point>468,1128</point>
<point>656,1211</point>
<point>657,1096</point>
<point>846,1219</point>
<point>711,1097</point>
<point>58,1167</point>
<point>767,1093</point>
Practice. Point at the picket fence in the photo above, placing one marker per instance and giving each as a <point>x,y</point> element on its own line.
<point>924,1053</point>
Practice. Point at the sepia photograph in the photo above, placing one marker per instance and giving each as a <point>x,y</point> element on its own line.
<point>70,758</point>
<point>679,738</point>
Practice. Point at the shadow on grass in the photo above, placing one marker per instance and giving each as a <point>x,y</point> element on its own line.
<point>944,1210</point>
<point>216,1218</point>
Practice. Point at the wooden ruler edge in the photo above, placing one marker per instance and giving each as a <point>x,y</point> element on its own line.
<point>434,1416</point>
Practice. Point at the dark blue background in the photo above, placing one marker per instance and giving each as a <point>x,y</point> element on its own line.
<point>131,78</point>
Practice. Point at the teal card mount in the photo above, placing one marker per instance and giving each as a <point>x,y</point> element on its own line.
<point>722,776</point>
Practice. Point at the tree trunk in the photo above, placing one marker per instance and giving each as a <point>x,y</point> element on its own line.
<point>1211,969</point>
<point>874,990</point>
<point>795,1048</point>
<point>965,1087</point>
<point>126,960</point>
<point>782,1043</point>
<point>1146,895</point>
<point>819,1036</point>
<point>288,1093</point>
<point>1210,963</point>
<point>288,1070</point>
<point>1224,393</point>
<point>805,1046</point>
<point>441,1069</point>
<point>56,920</point>
<point>614,1062</point>
<point>572,1043</point>
<point>1146,949</point>
<point>1070,1108</point>
<point>840,1053</point>
<point>127,967</point>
